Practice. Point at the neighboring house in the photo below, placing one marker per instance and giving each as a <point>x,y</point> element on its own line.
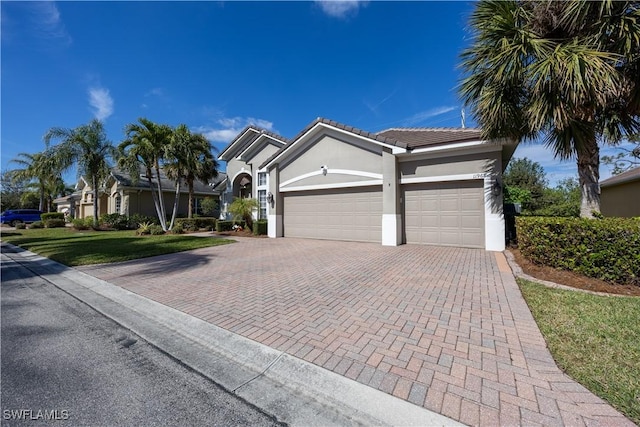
<point>620,194</point>
<point>439,186</point>
<point>124,196</point>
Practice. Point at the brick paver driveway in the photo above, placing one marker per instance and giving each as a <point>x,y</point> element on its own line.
<point>445,328</point>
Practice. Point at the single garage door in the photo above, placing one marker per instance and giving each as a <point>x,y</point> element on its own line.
<point>341,214</point>
<point>445,214</point>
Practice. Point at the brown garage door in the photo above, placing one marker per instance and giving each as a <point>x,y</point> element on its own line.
<point>445,214</point>
<point>342,214</point>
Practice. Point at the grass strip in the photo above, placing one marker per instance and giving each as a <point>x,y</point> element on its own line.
<point>594,339</point>
<point>73,248</point>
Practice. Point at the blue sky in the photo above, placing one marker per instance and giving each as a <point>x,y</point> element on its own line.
<point>218,66</point>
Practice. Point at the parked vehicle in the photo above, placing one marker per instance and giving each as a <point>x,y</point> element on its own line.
<point>14,216</point>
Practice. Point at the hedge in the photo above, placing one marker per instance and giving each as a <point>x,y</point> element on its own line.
<point>195,224</point>
<point>228,225</point>
<point>54,223</point>
<point>260,227</point>
<point>51,215</point>
<point>606,249</point>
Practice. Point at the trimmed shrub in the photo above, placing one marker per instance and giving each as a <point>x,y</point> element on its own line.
<point>54,223</point>
<point>606,249</point>
<point>228,225</point>
<point>37,224</point>
<point>156,230</point>
<point>51,215</point>
<point>136,219</point>
<point>196,223</point>
<point>260,227</point>
<point>80,224</point>
<point>115,220</point>
<point>177,229</point>
<point>20,225</point>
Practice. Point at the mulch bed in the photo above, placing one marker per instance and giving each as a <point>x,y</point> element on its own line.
<point>568,278</point>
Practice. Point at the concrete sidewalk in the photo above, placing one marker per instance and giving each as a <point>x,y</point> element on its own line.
<point>294,391</point>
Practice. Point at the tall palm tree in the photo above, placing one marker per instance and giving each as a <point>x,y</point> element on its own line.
<point>190,159</point>
<point>86,146</point>
<point>145,146</point>
<point>44,170</point>
<point>564,71</point>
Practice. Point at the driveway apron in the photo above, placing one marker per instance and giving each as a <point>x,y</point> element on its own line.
<point>444,328</point>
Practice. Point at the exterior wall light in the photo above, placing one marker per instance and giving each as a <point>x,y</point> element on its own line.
<point>496,188</point>
<point>323,168</point>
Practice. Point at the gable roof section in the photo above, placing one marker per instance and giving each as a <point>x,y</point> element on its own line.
<point>125,179</point>
<point>425,137</point>
<point>381,139</point>
<point>245,138</point>
<point>624,177</point>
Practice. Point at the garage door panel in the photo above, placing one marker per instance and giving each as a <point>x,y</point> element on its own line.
<point>447,214</point>
<point>340,214</point>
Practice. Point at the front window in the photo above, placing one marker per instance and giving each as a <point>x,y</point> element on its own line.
<point>262,199</point>
<point>118,204</point>
<point>262,179</point>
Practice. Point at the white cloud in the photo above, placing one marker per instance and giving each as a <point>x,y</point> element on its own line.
<point>424,115</point>
<point>228,128</point>
<point>47,22</point>
<point>101,102</point>
<point>156,91</point>
<point>340,8</point>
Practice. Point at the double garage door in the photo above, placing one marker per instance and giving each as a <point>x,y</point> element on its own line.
<point>443,214</point>
<point>342,214</point>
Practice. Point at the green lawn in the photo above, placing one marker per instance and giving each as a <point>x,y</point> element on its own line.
<point>71,247</point>
<point>594,339</point>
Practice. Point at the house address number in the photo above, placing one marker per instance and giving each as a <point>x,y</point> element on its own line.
<point>480,175</point>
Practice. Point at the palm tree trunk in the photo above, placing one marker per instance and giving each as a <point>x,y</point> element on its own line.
<point>94,182</point>
<point>156,201</point>
<point>176,200</point>
<point>589,174</point>
<point>190,211</point>
<point>163,208</point>
<point>41,204</point>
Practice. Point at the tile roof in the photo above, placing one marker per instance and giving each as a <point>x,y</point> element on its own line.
<point>423,137</point>
<point>630,175</point>
<point>125,179</point>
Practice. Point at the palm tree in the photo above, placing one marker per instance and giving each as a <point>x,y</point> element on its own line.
<point>191,160</point>
<point>88,147</point>
<point>145,146</point>
<point>43,168</point>
<point>564,71</point>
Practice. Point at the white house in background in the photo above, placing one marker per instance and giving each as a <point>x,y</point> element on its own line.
<point>432,186</point>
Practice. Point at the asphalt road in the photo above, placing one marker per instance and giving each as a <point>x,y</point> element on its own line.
<point>62,363</point>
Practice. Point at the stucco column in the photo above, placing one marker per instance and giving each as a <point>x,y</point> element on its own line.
<point>275,208</point>
<point>391,212</point>
<point>493,214</point>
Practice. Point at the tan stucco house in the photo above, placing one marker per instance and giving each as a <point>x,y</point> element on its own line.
<point>432,186</point>
<point>121,194</point>
<point>620,194</point>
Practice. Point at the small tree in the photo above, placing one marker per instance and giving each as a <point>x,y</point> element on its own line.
<point>525,181</point>
<point>209,206</point>
<point>242,208</point>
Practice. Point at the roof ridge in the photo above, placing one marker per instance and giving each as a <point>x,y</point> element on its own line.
<point>425,129</point>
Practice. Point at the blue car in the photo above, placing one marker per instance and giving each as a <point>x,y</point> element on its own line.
<point>14,216</point>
